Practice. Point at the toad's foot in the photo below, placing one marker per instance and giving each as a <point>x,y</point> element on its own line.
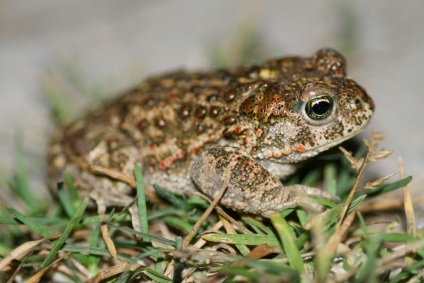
<point>250,187</point>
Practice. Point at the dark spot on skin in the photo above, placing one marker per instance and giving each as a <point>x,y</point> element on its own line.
<point>160,122</point>
<point>184,111</point>
<point>335,131</point>
<point>230,96</point>
<point>199,129</point>
<point>149,102</point>
<point>212,98</point>
<point>110,141</point>
<point>230,120</point>
<point>214,111</point>
<point>143,124</point>
<point>200,112</point>
<point>217,151</point>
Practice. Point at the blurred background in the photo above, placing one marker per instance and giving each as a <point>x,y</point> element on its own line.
<point>83,49</point>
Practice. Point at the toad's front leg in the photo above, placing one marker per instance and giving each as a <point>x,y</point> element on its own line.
<point>250,187</point>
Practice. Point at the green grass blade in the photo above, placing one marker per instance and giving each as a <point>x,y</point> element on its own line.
<point>389,187</point>
<point>141,200</point>
<point>243,239</point>
<point>60,242</point>
<point>288,242</point>
<point>176,201</point>
<point>157,277</point>
<point>66,201</point>
<point>147,236</point>
<point>36,227</point>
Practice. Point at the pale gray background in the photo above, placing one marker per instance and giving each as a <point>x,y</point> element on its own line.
<point>115,43</point>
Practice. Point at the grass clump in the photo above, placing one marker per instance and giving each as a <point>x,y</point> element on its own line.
<point>192,239</point>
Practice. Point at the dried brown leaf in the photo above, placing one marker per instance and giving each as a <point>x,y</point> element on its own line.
<point>359,162</point>
<point>353,162</point>
<point>24,250</point>
<point>109,272</point>
<point>367,143</point>
<point>377,136</point>
<point>109,242</point>
<point>378,182</point>
<point>263,250</point>
<point>380,155</point>
<point>36,277</point>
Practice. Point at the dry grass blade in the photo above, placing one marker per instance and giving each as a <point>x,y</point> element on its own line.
<point>411,225</point>
<point>377,136</point>
<point>16,272</point>
<point>151,195</point>
<point>205,215</point>
<point>36,277</point>
<point>263,250</point>
<point>376,183</point>
<point>109,243</point>
<point>356,164</point>
<point>380,155</point>
<point>109,272</point>
<point>224,214</point>
<point>24,250</point>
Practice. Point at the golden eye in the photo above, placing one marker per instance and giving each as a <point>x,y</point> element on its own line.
<point>319,108</point>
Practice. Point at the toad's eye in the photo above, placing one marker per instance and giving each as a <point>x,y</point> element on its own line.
<point>319,108</point>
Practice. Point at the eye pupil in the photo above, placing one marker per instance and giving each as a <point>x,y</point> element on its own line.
<point>319,108</point>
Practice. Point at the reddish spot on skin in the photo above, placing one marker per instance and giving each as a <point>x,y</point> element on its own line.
<point>228,133</point>
<point>238,130</point>
<point>111,140</point>
<point>299,148</point>
<point>199,129</point>
<point>210,139</point>
<point>196,148</point>
<point>153,146</point>
<point>277,154</point>
<point>287,151</point>
<point>168,161</point>
<point>268,154</point>
<point>181,154</point>
<point>230,120</point>
<point>259,132</point>
<point>225,202</point>
<point>239,205</point>
<point>165,163</point>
